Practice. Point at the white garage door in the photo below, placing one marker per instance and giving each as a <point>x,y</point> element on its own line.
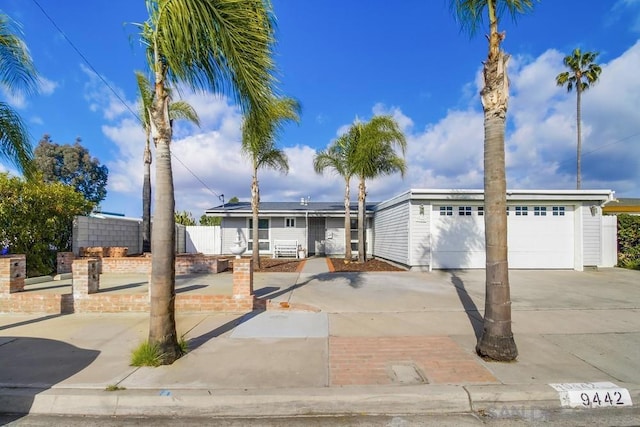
<point>539,237</point>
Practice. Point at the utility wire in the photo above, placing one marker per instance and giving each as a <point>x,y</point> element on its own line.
<point>106,83</point>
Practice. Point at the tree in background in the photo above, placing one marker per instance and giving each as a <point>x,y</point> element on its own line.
<point>210,220</point>
<point>17,75</point>
<point>177,110</point>
<point>72,165</point>
<point>226,46</point>
<point>374,155</point>
<point>234,199</point>
<point>496,341</point>
<point>583,72</point>
<point>36,219</point>
<point>185,218</point>
<point>336,156</point>
<point>260,130</point>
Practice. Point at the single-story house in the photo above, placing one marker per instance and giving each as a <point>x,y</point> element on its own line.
<point>426,229</point>
<point>317,227</point>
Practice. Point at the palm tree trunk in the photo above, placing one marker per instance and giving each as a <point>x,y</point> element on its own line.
<point>255,201</point>
<point>162,324</point>
<point>496,341</point>
<point>579,131</point>
<point>362,255</point>
<point>146,199</point>
<point>347,221</point>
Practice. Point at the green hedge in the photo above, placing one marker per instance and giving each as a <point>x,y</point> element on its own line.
<point>629,241</point>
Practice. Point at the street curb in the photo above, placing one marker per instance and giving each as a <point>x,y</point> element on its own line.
<point>250,403</point>
<point>406,400</point>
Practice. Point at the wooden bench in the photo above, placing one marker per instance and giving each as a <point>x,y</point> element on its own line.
<point>285,248</point>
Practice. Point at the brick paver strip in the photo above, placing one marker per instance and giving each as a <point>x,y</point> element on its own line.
<point>369,360</point>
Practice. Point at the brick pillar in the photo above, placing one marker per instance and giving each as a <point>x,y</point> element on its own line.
<point>13,270</point>
<point>86,277</point>
<point>242,277</point>
<point>64,261</point>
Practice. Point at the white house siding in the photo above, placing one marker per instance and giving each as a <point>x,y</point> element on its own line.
<point>280,232</point>
<point>391,231</point>
<point>592,236</point>
<point>230,229</point>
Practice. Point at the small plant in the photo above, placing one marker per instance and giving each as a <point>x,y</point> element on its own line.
<point>146,354</point>
<point>184,345</point>
<point>114,387</point>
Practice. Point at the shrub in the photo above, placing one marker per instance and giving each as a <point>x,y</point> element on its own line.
<point>629,241</point>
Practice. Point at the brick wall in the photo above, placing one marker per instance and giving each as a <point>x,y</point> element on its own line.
<point>13,271</point>
<point>63,262</point>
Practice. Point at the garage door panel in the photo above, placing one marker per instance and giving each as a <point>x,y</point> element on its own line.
<point>534,241</point>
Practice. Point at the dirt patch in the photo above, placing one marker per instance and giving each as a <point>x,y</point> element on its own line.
<point>340,265</point>
<point>275,265</point>
<point>292,265</point>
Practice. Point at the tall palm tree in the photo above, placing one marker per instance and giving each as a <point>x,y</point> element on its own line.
<point>177,110</point>
<point>374,155</point>
<point>226,46</point>
<point>336,157</point>
<point>260,129</point>
<point>496,341</point>
<point>583,72</point>
<point>17,75</point>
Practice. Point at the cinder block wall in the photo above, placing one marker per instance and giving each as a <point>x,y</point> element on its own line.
<point>92,231</point>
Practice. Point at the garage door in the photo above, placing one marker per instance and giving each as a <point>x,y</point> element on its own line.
<point>539,237</point>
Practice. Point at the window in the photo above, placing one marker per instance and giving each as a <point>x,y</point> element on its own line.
<point>480,210</point>
<point>264,243</point>
<point>540,211</point>
<point>522,210</point>
<point>464,210</point>
<point>558,211</point>
<point>507,210</point>
<point>446,210</point>
<point>290,223</point>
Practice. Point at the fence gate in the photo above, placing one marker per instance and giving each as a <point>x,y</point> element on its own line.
<point>203,239</point>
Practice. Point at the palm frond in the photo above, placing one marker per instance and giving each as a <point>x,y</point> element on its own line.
<point>14,140</point>
<point>17,72</point>
<point>224,46</point>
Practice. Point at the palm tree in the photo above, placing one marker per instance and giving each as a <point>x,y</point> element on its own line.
<point>17,74</point>
<point>226,46</point>
<point>177,110</point>
<point>260,130</point>
<point>374,155</point>
<point>336,157</point>
<point>496,341</point>
<point>583,72</point>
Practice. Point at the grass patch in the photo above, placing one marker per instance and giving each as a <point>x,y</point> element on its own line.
<point>184,345</point>
<point>113,387</point>
<point>147,354</point>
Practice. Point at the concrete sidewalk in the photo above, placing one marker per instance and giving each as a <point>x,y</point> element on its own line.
<point>391,343</point>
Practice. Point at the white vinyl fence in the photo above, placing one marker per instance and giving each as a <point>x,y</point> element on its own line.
<point>609,240</point>
<point>203,239</point>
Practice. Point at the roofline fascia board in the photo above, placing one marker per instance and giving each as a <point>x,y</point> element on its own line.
<point>551,195</point>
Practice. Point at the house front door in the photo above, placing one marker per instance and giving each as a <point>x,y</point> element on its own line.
<point>317,228</point>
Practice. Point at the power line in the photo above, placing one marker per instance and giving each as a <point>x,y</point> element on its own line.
<point>106,83</point>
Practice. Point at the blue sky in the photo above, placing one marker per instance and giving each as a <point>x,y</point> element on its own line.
<point>348,59</point>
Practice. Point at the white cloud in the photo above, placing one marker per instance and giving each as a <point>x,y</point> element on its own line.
<point>540,144</point>
<point>46,86</point>
<point>101,98</point>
